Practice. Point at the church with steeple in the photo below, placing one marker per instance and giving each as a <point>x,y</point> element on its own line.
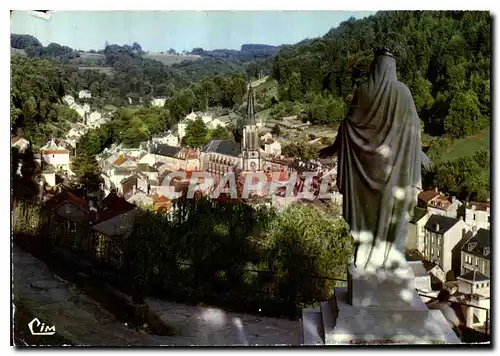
<point>221,156</point>
<point>250,144</point>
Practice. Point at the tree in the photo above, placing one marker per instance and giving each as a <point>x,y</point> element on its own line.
<point>464,117</point>
<point>87,171</point>
<point>276,130</point>
<point>300,150</point>
<point>221,133</point>
<point>294,87</point>
<point>302,242</point>
<point>196,133</point>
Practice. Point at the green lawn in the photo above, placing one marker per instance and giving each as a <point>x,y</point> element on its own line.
<point>464,147</point>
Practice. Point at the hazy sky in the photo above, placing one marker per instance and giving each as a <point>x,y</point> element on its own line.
<point>181,30</point>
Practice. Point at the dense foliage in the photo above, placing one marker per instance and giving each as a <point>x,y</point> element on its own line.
<point>240,253</point>
<point>468,178</point>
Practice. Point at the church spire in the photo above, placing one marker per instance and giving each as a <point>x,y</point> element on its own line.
<point>250,109</point>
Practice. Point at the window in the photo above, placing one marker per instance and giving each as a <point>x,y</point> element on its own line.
<point>438,253</point>
<point>477,262</point>
<point>488,219</point>
<point>474,217</point>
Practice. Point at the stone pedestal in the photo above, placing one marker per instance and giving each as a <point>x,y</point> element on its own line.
<point>415,324</point>
<point>377,307</point>
<point>383,288</point>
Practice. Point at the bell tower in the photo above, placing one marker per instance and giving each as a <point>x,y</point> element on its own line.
<point>250,146</point>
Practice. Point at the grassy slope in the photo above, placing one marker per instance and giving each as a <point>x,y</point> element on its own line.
<point>170,59</point>
<point>465,147</point>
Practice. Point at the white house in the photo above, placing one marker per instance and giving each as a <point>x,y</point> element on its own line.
<point>266,136</point>
<point>442,234</point>
<point>86,108</point>
<point>58,158</point>
<point>158,102</point>
<point>213,124</point>
<point>68,100</point>
<point>49,178</point>
<point>478,215</point>
<point>476,286</point>
<point>56,155</point>
<point>141,199</point>
<point>416,229</point>
<point>20,143</point>
<point>84,94</point>
<point>476,253</point>
<point>272,147</point>
<point>168,139</point>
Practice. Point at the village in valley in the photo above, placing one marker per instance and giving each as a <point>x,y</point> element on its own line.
<point>105,215</point>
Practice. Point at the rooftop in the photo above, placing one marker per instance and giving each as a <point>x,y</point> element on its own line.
<point>479,206</point>
<point>428,195</point>
<point>225,147</point>
<point>165,150</point>
<point>479,244</point>
<point>440,224</point>
<point>65,196</point>
<point>474,276</point>
<point>113,205</point>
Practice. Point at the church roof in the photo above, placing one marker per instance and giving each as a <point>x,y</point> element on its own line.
<point>225,147</point>
<point>250,108</point>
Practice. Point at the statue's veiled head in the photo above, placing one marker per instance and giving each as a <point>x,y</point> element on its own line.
<point>383,67</point>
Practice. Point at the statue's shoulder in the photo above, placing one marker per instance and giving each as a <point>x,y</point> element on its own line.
<point>402,87</point>
<point>402,90</point>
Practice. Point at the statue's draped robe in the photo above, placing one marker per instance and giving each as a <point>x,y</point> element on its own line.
<point>379,159</point>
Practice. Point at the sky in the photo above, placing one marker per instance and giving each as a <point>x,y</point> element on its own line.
<point>180,30</point>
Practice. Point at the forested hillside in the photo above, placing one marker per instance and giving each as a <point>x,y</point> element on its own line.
<point>443,57</point>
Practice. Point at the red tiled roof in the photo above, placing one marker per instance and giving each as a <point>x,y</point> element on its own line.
<point>480,206</point>
<point>119,161</point>
<point>15,139</point>
<point>55,152</point>
<point>428,195</point>
<point>68,197</point>
<point>440,202</point>
<point>113,205</point>
<point>160,199</point>
<point>187,153</point>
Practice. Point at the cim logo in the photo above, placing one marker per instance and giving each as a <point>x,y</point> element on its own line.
<point>39,328</point>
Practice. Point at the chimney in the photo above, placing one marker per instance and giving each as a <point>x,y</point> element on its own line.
<point>437,227</point>
<point>134,189</point>
<point>436,190</point>
<point>453,199</point>
<point>473,207</point>
<point>487,209</point>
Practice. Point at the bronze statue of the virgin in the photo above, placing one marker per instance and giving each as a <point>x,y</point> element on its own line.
<point>379,165</point>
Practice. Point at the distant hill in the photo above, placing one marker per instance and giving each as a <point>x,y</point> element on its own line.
<point>170,59</point>
<point>247,53</point>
